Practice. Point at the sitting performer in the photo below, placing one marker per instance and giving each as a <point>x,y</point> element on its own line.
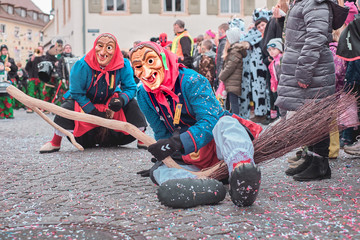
<point>189,122</point>
<point>102,84</point>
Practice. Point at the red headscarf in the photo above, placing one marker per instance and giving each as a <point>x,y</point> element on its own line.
<point>171,70</point>
<point>116,62</point>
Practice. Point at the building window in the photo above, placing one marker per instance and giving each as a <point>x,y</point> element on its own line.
<point>174,5</point>
<point>115,5</point>
<point>10,9</point>
<point>229,6</point>
<point>29,34</point>
<point>23,13</point>
<point>35,16</point>
<point>2,28</point>
<point>17,32</point>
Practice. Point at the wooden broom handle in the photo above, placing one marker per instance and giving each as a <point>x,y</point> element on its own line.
<point>57,127</point>
<point>108,123</point>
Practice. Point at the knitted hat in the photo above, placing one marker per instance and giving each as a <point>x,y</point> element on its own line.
<point>234,35</point>
<point>352,12</point>
<point>3,46</point>
<point>276,43</point>
<point>210,33</point>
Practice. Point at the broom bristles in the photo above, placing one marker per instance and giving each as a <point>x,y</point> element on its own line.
<point>310,124</point>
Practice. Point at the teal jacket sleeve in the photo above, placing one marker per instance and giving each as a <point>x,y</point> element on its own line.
<point>127,86</point>
<point>207,110</point>
<point>80,78</point>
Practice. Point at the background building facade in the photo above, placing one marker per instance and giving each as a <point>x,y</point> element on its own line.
<point>21,24</point>
<point>78,22</point>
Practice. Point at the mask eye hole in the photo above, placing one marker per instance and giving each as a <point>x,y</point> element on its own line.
<point>150,61</point>
<point>109,47</point>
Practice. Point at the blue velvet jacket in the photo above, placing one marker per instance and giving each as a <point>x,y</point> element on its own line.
<point>84,90</point>
<point>199,114</point>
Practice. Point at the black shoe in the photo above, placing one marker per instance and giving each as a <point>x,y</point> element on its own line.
<point>301,167</point>
<point>190,192</point>
<point>319,169</point>
<point>245,184</point>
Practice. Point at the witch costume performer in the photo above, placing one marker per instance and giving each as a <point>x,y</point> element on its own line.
<point>190,125</point>
<point>102,84</point>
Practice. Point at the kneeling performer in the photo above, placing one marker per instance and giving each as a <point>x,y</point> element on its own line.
<point>102,84</point>
<point>190,125</point>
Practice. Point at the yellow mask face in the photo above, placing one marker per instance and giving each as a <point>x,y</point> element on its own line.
<point>148,67</point>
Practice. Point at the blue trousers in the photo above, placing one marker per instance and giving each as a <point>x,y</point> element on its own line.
<point>233,145</point>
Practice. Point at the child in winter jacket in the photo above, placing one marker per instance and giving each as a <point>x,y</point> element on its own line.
<point>231,74</point>
<point>207,61</point>
<point>275,49</point>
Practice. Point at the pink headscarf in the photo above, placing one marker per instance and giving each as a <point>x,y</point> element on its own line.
<point>171,70</point>
<point>116,62</point>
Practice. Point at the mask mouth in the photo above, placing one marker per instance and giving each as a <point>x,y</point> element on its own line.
<point>150,79</point>
<point>102,57</point>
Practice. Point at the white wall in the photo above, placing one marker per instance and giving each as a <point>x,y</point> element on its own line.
<point>132,27</point>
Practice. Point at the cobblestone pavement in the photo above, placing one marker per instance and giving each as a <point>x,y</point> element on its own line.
<point>101,186</point>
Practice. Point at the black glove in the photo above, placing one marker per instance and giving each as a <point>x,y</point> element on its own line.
<point>98,113</point>
<point>146,173</point>
<point>116,104</point>
<point>165,147</point>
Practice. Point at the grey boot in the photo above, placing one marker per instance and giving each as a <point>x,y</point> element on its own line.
<point>319,169</point>
<point>190,192</point>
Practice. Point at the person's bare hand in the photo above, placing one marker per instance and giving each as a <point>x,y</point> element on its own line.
<point>246,44</point>
<point>276,12</point>
<point>109,114</point>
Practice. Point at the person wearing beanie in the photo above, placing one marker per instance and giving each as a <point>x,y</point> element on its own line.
<point>231,74</point>
<point>352,12</point>
<point>275,49</point>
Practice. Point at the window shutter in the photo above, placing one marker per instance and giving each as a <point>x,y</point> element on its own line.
<point>135,6</point>
<point>95,6</point>
<point>212,7</point>
<point>271,3</point>
<point>249,7</point>
<point>194,6</point>
<point>154,6</point>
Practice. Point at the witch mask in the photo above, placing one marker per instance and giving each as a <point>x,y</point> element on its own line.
<point>105,49</point>
<point>148,67</point>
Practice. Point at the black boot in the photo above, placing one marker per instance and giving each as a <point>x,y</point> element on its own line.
<point>301,167</point>
<point>190,192</point>
<point>318,169</point>
<point>245,184</point>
